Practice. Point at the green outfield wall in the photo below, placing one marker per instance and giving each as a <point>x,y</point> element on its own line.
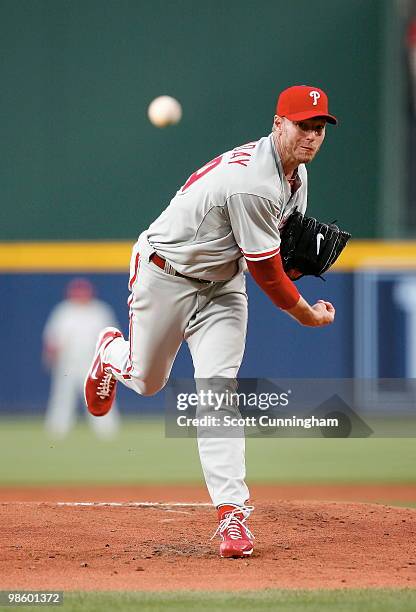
<point>79,159</point>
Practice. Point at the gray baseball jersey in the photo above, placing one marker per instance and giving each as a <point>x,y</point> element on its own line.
<point>232,206</point>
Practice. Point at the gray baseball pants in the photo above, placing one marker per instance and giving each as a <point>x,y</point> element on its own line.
<point>164,311</point>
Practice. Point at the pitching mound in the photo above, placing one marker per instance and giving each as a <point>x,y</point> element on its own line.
<point>128,546</point>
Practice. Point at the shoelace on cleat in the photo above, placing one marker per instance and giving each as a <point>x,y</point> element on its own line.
<point>106,385</point>
<point>234,525</point>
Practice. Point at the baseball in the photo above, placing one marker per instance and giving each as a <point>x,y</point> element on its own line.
<point>164,111</point>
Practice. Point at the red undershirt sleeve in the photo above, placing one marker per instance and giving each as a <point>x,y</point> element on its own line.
<point>271,277</point>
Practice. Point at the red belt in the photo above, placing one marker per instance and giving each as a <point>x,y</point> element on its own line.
<point>161,263</point>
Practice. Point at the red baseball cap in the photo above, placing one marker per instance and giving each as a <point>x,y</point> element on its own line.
<point>303,102</point>
<point>80,289</point>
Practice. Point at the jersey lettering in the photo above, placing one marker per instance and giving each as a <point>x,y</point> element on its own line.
<point>241,162</point>
<point>243,156</point>
<point>239,153</point>
<point>202,172</point>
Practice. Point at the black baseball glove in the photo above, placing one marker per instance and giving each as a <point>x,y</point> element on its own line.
<point>310,247</point>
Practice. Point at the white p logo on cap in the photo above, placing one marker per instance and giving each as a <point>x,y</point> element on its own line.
<point>315,95</point>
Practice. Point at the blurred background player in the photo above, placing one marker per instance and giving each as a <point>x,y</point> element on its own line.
<point>69,340</point>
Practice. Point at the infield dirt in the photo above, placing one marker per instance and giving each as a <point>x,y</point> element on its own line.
<point>299,544</point>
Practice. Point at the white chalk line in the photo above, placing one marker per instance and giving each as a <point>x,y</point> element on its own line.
<point>168,506</point>
<point>135,504</point>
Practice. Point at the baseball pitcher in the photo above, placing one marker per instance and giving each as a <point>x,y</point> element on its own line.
<point>187,283</point>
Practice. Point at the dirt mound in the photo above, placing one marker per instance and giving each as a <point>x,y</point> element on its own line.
<point>372,492</point>
<point>167,547</point>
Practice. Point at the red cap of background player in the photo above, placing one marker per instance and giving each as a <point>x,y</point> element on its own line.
<point>304,102</point>
<point>80,289</point>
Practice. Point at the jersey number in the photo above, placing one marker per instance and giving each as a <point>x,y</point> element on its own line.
<point>202,172</point>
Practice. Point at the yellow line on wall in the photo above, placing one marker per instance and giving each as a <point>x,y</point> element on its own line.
<point>377,253</point>
<point>114,256</point>
<point>65,256</point>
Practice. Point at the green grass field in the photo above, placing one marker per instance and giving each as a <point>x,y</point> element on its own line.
<point>379,600</point>
<point>142,454</point>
